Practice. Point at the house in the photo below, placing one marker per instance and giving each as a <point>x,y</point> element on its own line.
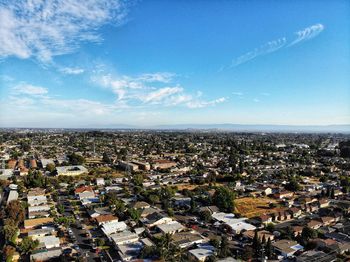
<point>279,214</point>
<point>102,219</point>
<point>327,220</point>
<point>36,197</point>
<point>284,194</point>
<point>311,207</point>
<point>49,242</point>
<point>147,211</point>
<point>265,190</point>
<point>113,227</point>
<point>323,203</point>
<point>99,211</point>
<point>45,254</point>
<point>140,205</point>
<point>113,188</point>
<point>181,201</point>
<point>129,251</point>
<point>263,233</point>
<point>187,239</point>
<point>315,255</point>
<point>41,232</point>
<point>155,219</point>
<point>296,212</point>
<point>211,209</point>
<point>84,192</point>
<point>286,248</point>
<point>202,252</point>
<point>170,227</point>
<point>38,211</point>
<point>265,219</point>
<point>236,225</point>
<point>124,237</point>
<point>314,224</point>
<point>297,230</point>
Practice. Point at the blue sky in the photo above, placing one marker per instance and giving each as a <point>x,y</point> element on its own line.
<point>103,63</point>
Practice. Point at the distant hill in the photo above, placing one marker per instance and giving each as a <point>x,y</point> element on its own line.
<point>260,128</point>
<point>211,127</point>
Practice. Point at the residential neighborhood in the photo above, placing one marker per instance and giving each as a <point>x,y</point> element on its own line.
<point>123,195</point>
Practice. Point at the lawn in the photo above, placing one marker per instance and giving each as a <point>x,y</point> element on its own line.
<point>251,207</point>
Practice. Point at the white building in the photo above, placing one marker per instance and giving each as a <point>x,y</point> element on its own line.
<point>113,227</point>
<point>71,170</point>
<point>171,227</point>
<point>236,224</point>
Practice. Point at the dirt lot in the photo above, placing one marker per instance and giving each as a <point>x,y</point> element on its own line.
<point>250,206</point>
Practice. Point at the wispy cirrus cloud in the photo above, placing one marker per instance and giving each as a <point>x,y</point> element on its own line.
<point>303,35</point>
<point>307,34</point>
<point>72,70</point>
<point>44,29</point>
<point>161,94</point>
<point>267,48</point>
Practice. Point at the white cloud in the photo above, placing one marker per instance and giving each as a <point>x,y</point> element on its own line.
<point>72,70</point>
<point>43,29</point>
<point>201,104</point>
<point>27,89</point>
<point>277,44</point>
<point>307,33</point>
<point>148,89</point>
<point>163,77</point>
<point>161,94</point>
<point>267,48</point>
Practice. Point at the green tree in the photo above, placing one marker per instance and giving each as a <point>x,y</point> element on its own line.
<point>66,221</point>
<point>15,211</point>
<point>268,249</point>
<point>215,243</point>
<point>134,214</point>
<point>270,227</point>
<point>60,208</point>
<point>138,179</point>
<point>307,234</point>
<point>205,215</point>
<point>27,245</point>
<point>224,248</point>
<point>148,252</point>
<point>105,158</point>
<point>293,185</point>
<point>100,242</point>
<point>10,230</point>
<point>224,199</point>
<point>50,167</point>
<point>75,159</point>
<point>153,198</point>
